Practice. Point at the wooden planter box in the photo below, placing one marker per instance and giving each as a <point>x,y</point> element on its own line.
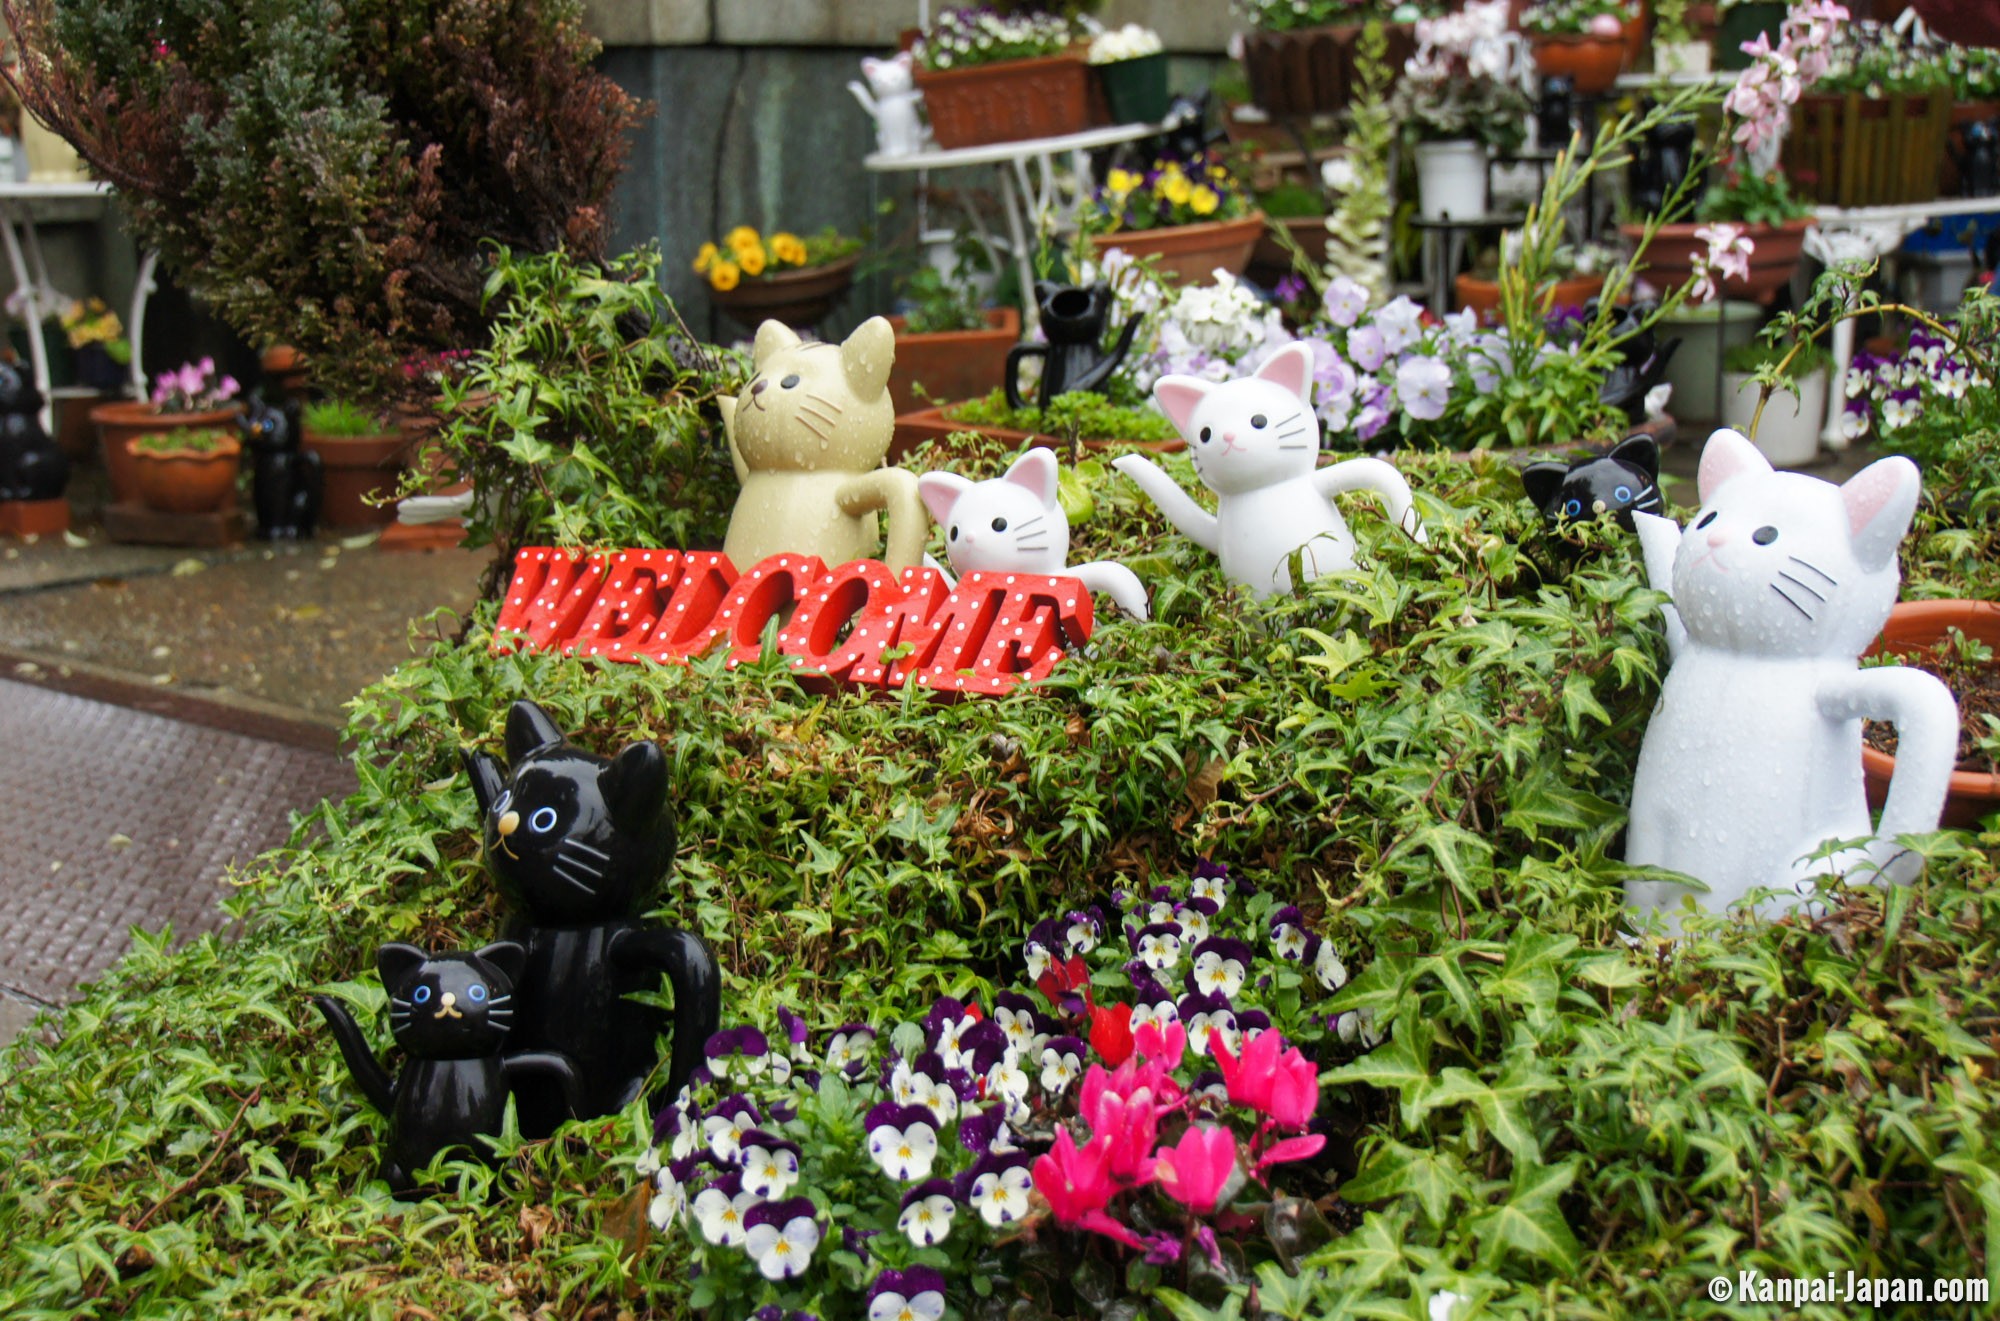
<point>1007,102</point>
<point>913,429</point>
<point>1310,71</point>
<point>952,364</point>
<point>1851,151</point>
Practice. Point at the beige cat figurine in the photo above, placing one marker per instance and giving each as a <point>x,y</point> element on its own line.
<point>808,436</point>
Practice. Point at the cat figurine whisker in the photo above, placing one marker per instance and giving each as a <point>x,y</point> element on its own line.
<point>1273,499</point>
<point>1015,524</point>
<point>1751,763</point>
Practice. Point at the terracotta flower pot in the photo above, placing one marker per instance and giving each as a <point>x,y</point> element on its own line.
<point>799,298</point>
<point>119,424</point>
<point>1483,296</point>
<point>1190,254</point>
<point>1915,626</point>
<point>1008,101</point>
<point>1591,63</point>
<point>952,364</point>
<point>913,429</point>
<point>1271,261</point>
<point>187,481</point>
<point>284,369</point>
<point>1669,259</point>
<point>358,468</point>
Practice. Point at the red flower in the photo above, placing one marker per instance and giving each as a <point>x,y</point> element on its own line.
<point>1062,977</point>
<point>1111,1033</point>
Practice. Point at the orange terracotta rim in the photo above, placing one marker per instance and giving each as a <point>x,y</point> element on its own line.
<point>1917,624</point>
<point>999,321</point>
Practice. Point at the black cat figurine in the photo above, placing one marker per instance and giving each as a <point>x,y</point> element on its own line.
<point>1642,359</point>
<point>450,1014</point>
<point>32,466</point>
<point>287,481</point>
<point>1626,479</point>
<point>1661,164</point>
<point>1074,358</point>
<point>1555,113</point>
<point>578,845</point>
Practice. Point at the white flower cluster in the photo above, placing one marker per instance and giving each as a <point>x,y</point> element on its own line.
<point>1478,35</point>
<point>977,36</point>
<point>1132,42</point>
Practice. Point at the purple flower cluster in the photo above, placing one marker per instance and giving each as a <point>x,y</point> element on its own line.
<point>1895,393</point>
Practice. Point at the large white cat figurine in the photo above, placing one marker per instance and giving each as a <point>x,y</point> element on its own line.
<point>1752,759</point>
<point>1255,443</point>
<point>892,98</point>
<point>1015,524</point>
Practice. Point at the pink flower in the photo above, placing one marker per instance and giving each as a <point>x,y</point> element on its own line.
<point>1298,1148</point>
<point>1161,1045</point>
<point>1271,1079</point>
<point>1076,1183</point>
<point>1195,1172</point>
<point>227,387</point>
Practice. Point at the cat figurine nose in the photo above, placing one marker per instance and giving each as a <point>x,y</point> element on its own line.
<point>1716,539</point>
<point>448,1007</point>
<point>508,824</point>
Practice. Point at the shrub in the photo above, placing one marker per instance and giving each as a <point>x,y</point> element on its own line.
<point>323,173</point>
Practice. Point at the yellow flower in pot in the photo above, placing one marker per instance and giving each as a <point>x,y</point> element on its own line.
<point>786,278</point>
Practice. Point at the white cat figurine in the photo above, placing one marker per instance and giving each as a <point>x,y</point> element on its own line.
<point>1752,759</point>
<point>891,98</point>
<point>1255,443</point>
<point>1015,524</point>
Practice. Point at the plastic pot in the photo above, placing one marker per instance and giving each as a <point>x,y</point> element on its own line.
<point>119,424</point>
<point>187,481</point>
<point>1788,433</point>
<point>1451,179</point>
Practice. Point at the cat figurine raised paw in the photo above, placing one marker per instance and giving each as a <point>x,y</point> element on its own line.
<point>1752,760</point>
<point>1255,443</point>
<point>578,845</point>
<point>891,99</point>
<point>1621,483</point>
<point>1015,524</point>
<point>808,436</point>
<point>450,1013</point>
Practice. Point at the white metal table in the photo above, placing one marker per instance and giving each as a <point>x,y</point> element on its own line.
<point>1019,189</point>
<point>1869,233</point>
<point>31,275</point>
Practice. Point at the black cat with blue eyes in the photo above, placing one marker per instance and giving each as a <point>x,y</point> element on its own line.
<point>578,845</point>
<point>1623,481</point>
<point>451,1014</point>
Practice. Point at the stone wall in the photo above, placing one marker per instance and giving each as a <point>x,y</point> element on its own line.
<point>754,125</point>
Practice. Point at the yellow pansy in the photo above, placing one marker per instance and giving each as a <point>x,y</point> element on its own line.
<point>743,237</point>
<point>1121,182</point>
<point>788,248</point>
<point>1203,200</point>
<point>752,260</point>
<point>705,257</point>
<point>1174,186</point>
<point>724,275</point>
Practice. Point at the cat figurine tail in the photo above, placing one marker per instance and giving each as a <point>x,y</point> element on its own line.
<point>450,1014</point>
<point>1015,524</point>
<point>1751,764</point>
<point>1255,443</point>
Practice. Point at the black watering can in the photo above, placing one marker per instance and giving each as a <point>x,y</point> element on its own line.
<point>1073,319</point>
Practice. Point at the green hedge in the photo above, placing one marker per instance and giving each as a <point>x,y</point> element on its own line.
<point>1431,755</point>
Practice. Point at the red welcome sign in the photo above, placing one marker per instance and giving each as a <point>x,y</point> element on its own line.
<point>990,634</point>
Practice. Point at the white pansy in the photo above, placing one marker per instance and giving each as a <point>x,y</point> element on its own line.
<point>720,1216</point>
<point>904,1154</point>
<point>1002,1196</point>
<point>1332,973</point>
<point>1213,974</point>
<point>781,1253</point>
<point>927,1220</point>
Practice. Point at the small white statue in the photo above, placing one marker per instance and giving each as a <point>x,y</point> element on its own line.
<point>1255,443</point>
<point>891,98</point>
<point>1015,524</point>
<point>1752,760</point>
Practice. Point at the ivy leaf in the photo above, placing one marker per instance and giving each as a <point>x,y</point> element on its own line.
<point>1397,1170</point>
<point>1402,1064</point>
<point>1530,1222</point>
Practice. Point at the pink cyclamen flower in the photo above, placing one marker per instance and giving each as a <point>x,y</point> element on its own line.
<point>1271,1079</point>
<point>1076,1183</point>
<point>1161,1044</point>
<point>1195,1171</point>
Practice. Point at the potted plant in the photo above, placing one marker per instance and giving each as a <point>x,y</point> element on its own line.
<point>97,339</point>
<point>1975,82</point>
<point>364,458</point>
<point>1457,101</point>
<point>784,278</point>
<point>1193,216</point>
<point>1582,40</point>
<point>948,345</point>
<point>1297,211</point>
<point>1954,640</point>
<point>193,397</point>
<point>1131,65</point>
<point>1002,74</point>
<point>1576,271</point>
<point>191,470</point>
<point>1081,416</point>
<point>1677,48</point>
<point>1768,222</point>
<point>1872,127</point>
<point>1789,428</point>
<point>1299,54</point>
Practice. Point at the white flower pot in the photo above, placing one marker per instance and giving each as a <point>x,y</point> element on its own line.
<point>1681,57</point>
<point>1451,180</point>
<point>1788,434</point>
<point>1706,333</point>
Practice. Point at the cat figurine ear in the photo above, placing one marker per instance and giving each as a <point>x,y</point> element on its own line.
<point>634,784</point>
<point>395,963</point>
<point>772,337</point>
<point>1881,500</point>
<point>1179,396</point>
<point>867,356</point>
<point>940,491</point>
<point>1542,480</point>
<point>529,729</point>
<point>1038,473</point>
<point>1728,454</point>
<point>506,955</point>
<point>1291,367</point>
<point>1641,451</point>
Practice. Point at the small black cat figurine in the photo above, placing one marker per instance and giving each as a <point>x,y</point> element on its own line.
<point>1074,358</point>
<point>1665,155</point>
<point>1555,113</point>
<point>1626,479</point>
<point>450,1014</point>
<point>32,466</point>
<point>578,845</point>
<point>1642,358</point>
<point>287,481</point>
